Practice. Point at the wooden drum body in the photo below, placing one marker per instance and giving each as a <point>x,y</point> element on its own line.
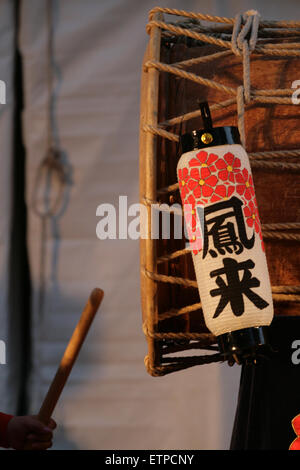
<point>251,89</point>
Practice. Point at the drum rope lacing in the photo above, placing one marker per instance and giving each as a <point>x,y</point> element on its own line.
<point>244,35</point>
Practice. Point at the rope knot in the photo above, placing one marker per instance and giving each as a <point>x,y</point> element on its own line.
<point>52,166</point>
<point>245,32</point>
<point>243,42</point>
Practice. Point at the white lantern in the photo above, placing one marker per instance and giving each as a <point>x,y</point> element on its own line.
<point>224,230</point>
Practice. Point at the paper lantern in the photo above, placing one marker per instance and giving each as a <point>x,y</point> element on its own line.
<point>225,235</point>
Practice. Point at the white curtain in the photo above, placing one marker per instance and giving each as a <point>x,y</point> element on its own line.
<point>8,391</point>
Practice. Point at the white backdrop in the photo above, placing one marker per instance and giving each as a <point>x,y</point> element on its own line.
<point>7,391</point>
<point>110,401</point>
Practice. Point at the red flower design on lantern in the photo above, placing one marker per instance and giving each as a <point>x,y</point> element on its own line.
<point>190,215</point>
<point>295,445</point>
<point>222,192</point>
<point>251,214</point>
<point>183,177</point>
<point>244,185</point>
<point>202,182</point>
<point>203,159</point>
<point>195,238</point>
<point>262,242</point>
<point>191,218</point>
<point>228,167</point>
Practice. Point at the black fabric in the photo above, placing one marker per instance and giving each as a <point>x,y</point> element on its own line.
<point>19,354</point>
<point>269,394</point>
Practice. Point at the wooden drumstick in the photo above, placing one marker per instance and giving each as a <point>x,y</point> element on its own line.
<point>70,355</point>
<point>69,358</point>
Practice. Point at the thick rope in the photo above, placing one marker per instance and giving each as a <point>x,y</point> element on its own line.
<point>175,254</point>
<point>255,157</point>
<point>281,236</point>
<point>274,154</point>
<point>180,311</point>
<point>188,75</point>
<point>195,114</point>
<point>241,113</point>
<point>267,233</point>
<point>206,339</point>
<point>189,33</point>
<point>220,19</point>
<point>191,283</point>
<point>280,50</point>
<point>190,14</point>
<point>285,290</point>
<point>282,226</point>
<point>276,165</point>
<point>158,371</point>
<point>241,46</point>
<point>202,59</point>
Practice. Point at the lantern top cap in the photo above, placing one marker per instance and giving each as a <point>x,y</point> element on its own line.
<point>209,136</point>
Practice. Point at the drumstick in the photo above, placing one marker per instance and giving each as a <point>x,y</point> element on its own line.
<point>69,358</point>
<point>70,355</point>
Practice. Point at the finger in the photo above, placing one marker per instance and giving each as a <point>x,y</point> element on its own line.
<point>39,437</point>
<point>41,445</point>
<point>52,424</point>
<point>34,426</point>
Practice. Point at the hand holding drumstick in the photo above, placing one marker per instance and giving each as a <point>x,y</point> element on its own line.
<point>29,429</point>
<point>35,432</point>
